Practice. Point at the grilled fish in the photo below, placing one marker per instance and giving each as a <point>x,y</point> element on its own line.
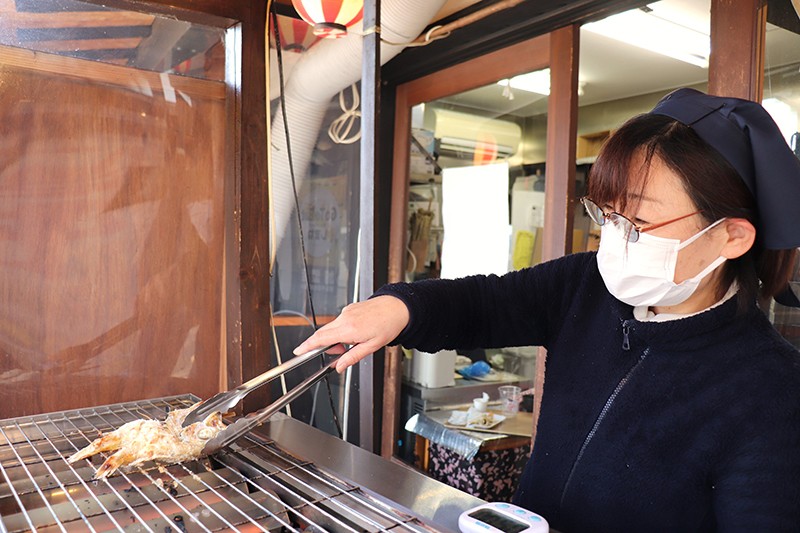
<point>142,440</point>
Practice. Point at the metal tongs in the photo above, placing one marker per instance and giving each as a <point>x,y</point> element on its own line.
<point>225,401</point>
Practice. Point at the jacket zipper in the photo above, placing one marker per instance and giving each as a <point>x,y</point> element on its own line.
<point>609,402</point>
<point>626,344</point>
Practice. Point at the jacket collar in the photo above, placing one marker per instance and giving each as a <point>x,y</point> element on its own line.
<point>710,327</point>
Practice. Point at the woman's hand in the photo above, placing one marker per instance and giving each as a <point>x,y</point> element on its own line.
<point>368,326</point>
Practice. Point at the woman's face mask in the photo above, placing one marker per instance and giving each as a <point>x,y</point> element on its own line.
<point>641,273</point>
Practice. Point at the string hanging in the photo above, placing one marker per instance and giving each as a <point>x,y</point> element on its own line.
<point>339,130</point>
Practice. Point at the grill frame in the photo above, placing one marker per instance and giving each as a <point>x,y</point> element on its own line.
<point>255,485</point>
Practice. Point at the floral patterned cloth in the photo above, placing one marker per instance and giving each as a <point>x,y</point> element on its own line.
<point>491,475</point>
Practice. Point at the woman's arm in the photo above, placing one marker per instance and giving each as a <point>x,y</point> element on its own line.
<point>516,309</point>
<point>368,326</point>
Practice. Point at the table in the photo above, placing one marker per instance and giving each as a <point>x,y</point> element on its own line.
<point>418,399</point>
<point>486,464</point>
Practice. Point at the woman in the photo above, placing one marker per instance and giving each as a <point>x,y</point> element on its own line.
<point>670,403</point>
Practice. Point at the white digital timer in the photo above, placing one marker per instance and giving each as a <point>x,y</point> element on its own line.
<point>501,517</point>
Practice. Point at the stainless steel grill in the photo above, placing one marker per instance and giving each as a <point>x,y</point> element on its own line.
<point>254,486</point>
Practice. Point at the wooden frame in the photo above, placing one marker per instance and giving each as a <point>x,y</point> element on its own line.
<point>557,50</point>
<point>562,131</point>
<point>738,32</point>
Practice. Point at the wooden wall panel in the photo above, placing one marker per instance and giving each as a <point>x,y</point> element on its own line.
<point>111,242</point>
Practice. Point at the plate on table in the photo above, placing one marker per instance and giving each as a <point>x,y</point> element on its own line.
<point>486,421</point>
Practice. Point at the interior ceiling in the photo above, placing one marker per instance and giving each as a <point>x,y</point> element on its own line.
<point>611,70</point>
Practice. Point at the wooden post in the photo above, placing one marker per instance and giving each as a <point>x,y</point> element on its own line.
<point>562,131</point>
<point>736,65</point>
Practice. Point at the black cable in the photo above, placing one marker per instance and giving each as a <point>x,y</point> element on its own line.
<point>297,206</point>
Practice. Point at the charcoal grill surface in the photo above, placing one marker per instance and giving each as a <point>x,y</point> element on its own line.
<point>253,486</point>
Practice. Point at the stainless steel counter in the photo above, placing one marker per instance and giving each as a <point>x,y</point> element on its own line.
<point>463,391</point>
<point>433,502</point>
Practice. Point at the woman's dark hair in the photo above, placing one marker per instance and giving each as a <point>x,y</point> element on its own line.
<point>710,181</point>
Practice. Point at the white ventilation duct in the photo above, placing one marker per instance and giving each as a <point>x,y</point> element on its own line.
<point>322,72</point>
<point>290,59</point>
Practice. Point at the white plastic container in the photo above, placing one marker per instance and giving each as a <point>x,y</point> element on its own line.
<point>433,370</point>
<point>481,404</point>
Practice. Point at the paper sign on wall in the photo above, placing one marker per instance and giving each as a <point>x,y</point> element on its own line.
<point>475,217</point>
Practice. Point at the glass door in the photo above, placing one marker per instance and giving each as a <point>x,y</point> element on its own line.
<point>466,138</point>
<point>476,174</point>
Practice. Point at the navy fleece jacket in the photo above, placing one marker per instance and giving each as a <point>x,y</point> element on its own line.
<point>686,425</point>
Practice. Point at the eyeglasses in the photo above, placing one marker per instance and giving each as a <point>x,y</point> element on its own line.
<point>629,229</point>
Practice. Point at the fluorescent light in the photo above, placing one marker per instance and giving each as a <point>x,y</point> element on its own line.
<point>534,82</point>
<point>649,31</point>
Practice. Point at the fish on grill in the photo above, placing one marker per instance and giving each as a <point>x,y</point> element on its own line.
<point>143,440</point>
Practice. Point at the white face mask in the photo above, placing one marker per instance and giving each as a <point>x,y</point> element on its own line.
<point>641,273</point>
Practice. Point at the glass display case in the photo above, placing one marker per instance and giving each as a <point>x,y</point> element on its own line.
<point>115,195</point>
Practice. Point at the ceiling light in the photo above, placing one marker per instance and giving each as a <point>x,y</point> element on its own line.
<point>648,30</point>
<point>533,82</point>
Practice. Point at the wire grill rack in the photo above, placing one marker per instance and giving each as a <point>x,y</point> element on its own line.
<point>253,486</point>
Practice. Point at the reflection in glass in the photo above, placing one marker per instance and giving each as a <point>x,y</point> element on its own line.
<point>504,122</point>
<point>782,100</point>
<point>314,215</point>
<point>95,32</point>
<point>112,214</point>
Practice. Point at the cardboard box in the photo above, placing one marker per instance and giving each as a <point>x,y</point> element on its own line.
<point>589,144</point>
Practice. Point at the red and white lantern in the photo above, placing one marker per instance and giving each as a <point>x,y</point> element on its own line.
<point>330,18</point>
<point>295,35</point>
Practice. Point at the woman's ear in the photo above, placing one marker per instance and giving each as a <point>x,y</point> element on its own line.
<point>741,236</point>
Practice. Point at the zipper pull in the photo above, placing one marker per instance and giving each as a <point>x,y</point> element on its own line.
<point>626,344</point>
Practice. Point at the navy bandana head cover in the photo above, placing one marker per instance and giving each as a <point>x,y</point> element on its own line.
<point>746,136</point>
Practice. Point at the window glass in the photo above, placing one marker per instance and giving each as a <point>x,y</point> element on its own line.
<point>496,136</point>
<point>314,212</point>
<point>112,208</point>
<point>628,62</point>
<point>96,32</point>
<point>782,100</point>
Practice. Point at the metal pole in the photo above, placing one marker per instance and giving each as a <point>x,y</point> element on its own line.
<point>370,105</point>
